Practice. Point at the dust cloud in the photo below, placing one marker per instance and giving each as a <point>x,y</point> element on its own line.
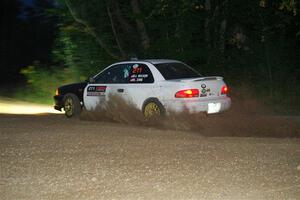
<point>246,118</point>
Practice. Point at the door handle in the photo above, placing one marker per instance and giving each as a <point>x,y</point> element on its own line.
<point>120,90</point>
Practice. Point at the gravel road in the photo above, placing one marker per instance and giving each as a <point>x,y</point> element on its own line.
<point>51,157</point>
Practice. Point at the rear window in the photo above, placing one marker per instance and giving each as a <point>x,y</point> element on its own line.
<point>176,71</point>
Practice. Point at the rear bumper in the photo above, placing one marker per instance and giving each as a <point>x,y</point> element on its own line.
<point>58,102</point>
<point>198,105</point>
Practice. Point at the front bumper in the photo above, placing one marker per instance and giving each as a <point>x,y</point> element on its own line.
<point>198,105</point>
<point>58,102</point>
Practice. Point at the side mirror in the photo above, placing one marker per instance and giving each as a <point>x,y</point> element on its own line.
<point>91,80</point>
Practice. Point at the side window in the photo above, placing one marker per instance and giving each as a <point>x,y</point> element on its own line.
<point>114,74</point>
<point>126,73</point>
<point>140,73</point>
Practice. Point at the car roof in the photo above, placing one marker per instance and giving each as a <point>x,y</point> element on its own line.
<point>159,61</point>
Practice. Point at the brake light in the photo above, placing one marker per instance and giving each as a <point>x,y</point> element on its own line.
<point>187,93</point>
<point>224,90</point>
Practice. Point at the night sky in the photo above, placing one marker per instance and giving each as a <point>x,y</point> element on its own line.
<point>27,2</point>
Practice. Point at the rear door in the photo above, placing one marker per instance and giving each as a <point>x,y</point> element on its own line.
<point>141,84</point>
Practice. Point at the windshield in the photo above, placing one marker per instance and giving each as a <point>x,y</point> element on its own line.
<point>176,70</point>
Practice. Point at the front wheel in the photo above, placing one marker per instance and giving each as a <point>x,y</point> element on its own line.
<point>72,105</point>
<point>153,108</point>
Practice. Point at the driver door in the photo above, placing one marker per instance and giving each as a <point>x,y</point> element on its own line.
<point>112,81</point>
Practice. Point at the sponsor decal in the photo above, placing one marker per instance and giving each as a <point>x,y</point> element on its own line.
<point>100,88</point>
<point>91,94</point>
<point>94,90</point>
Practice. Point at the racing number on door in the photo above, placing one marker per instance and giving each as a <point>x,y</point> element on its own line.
<point>137,70</point>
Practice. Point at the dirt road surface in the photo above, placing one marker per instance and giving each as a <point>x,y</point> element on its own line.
<point>12,106</point>
<point>51,157</point>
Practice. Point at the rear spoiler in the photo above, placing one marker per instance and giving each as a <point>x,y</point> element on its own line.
<point>207,78</point>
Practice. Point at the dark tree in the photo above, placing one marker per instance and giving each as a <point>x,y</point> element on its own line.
<point>27,35</point>
<point>10,30</point>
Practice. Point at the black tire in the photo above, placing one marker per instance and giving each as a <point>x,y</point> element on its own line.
<point>72,106</point>
<point>153,108</point>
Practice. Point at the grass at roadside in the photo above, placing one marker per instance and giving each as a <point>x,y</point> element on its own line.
<point>33,96</point>
<point>24,93</point>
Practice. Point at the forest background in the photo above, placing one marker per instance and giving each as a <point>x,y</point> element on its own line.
<point>253,44</point>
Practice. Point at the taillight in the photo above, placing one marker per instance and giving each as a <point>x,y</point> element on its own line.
<point>224,90</point>
<point>187,93</point>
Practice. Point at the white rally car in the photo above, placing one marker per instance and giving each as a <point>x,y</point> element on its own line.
<point>157,87</point>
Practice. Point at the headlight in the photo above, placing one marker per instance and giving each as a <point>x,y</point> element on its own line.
<point>56,92</point>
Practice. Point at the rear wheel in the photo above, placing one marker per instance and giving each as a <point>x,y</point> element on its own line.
<point>153,108</point>
<point>72,105</point>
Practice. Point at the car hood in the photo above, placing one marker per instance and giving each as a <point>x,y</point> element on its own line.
<point>79,84</point>
<point>72,87</point>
